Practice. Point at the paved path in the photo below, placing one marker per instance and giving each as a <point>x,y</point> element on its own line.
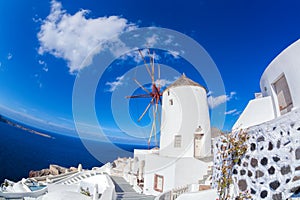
<point>126,192</point>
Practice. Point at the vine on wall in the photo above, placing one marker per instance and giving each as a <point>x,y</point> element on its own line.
<point>233,149</point>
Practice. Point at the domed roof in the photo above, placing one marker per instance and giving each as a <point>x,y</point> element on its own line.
<point>184,81</point>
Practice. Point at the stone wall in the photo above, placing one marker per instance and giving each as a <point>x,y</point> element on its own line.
<point>270,169</point>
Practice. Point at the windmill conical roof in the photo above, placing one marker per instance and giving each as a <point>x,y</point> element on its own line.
<point>184,81</point>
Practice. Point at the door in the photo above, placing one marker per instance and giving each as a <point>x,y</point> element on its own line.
<point>197,145</point>
<point>284,97</point>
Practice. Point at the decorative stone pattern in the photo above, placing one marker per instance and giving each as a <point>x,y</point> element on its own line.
<point>270,168</point>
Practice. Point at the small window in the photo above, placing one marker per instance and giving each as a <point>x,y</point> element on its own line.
<point>168,92</point>
<point>158,183</point>
<point>171,102</point>
<point>177,141</point>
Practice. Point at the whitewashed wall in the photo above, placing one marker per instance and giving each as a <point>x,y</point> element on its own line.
<point>189,110</point>
<point>164,166</point>
<point>257,111</point>
<point>176,172</point>
<point>270,168</point>
<point>287,63</point>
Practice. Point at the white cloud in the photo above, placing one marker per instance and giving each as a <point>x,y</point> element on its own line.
<point>229,112</point>
<point>115,84</point>
<point>45,69</point>
<point>136,56</point>
<point>175,54</point>
<point>74,37</point>
<point>169,40</point>
<point>232,94</point>
<point>41,62</point>
<point>163,82</point>
<point>216,101</point>
<point>37,19</point>
<point>236,113</point>
<point>9,56</point>
<point>38,80</point>
<point>151,41</point>
<point>209,93</point>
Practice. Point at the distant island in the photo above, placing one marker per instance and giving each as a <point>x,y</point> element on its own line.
<point>14,124</point>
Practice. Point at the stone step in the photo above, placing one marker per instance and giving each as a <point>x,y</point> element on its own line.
<point>133,196</point>
<point>126,192</point>
<point>205,177</point>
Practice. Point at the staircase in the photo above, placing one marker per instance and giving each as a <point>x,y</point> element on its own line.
<point>126,192</point>
<point>206,176</point>
<point>133,196</point>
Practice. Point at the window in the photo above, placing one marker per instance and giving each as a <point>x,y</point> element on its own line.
<point>158,183</point>
<point>282,90</point>
<point>168,92</point>
<point>177,141</point>
<point>171,102</point>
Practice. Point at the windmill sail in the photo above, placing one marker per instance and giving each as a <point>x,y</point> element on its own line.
<point>154,94</point>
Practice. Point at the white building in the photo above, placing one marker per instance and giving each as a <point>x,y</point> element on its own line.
<point>280,90</point>
<point>272,123</point>
<point>185,140</point>
<point>78,184</point>
<point>185,130</point>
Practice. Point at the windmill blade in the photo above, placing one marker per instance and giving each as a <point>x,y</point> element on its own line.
<point>158,74</point>
<point>159,118</point>
<point>147,66</point>
<point>153,69</point>
<point>154,123</point>
<point>152,65</point>
<point>141,86</point>
<point>149,140</point>
<point>138,96</point>
<point>152,128</point>
<point>145,111</point>
<point>157,91</point>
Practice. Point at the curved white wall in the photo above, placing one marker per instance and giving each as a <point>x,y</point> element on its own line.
<point>189,111</point>
<point>256,112</point>
<point>287,63</point>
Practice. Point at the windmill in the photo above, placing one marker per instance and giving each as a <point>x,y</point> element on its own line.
<point>154,95</point>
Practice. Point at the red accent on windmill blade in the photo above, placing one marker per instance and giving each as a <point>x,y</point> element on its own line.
<point>155,93</point>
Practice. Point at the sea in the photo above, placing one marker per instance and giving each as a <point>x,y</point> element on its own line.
<point>21,152</point>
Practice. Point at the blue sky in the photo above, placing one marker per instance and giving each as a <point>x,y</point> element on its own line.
<point>43,44</point>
